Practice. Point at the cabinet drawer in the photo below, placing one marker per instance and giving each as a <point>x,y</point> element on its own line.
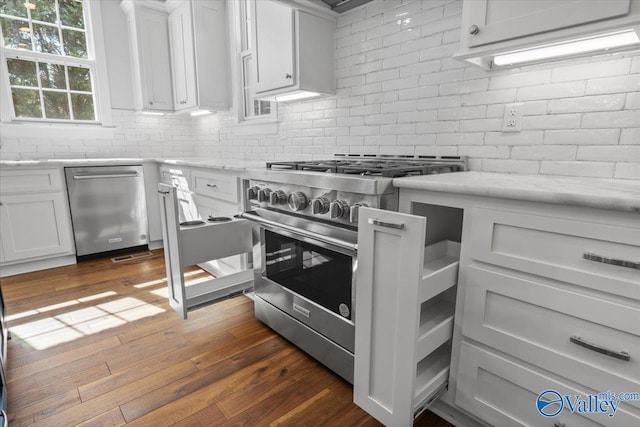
<point>534,322</point>
<point>503,392</point>
<point>30,180</point>
<point>555,247</point>
<point>218,185</point>
<point>177,176</point>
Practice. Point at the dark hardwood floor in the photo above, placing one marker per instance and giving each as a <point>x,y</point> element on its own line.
<point>97,344</point>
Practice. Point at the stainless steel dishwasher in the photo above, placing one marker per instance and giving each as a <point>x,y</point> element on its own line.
<point>108,208</point>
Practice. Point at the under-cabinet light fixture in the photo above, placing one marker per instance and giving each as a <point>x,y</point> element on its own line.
<point>151,113</point>
<point>200,113</point>
<point>301,94</point>
<point>571,47</point>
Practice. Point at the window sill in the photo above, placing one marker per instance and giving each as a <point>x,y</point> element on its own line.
<point>54,130</point>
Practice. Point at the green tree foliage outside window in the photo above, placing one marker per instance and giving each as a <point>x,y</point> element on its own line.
<point>49,71</point>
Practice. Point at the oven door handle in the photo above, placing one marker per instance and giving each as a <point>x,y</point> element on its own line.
<point>305,233</point>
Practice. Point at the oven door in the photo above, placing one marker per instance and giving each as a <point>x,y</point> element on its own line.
<point>308,271</point>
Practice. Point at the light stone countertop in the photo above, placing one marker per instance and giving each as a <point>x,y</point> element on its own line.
<point>231,165</point>
<point>615,194</point>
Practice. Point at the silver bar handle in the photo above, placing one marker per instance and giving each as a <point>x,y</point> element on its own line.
<point>163,192</point>
<point>212,185</point>
<point>590,256</point>
<point>305,233</point>
<point>112,175</point>
<point>397,226</point>
<point>622,355</point>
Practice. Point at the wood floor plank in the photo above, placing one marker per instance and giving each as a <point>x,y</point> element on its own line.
<point>164,395</point>
<point>99,345</point>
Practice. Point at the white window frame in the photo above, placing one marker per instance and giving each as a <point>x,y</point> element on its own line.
<point>96,61</point>
<point>239,40</point>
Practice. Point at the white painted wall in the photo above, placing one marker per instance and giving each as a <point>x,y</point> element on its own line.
<point>399,92</point>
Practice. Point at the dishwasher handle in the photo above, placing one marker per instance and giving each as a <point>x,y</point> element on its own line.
<point>110,175</point>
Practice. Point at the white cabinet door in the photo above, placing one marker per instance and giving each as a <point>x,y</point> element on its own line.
<point>34,225</point>
<point>274,46</point>
<point>151,66</point>
<point>502,20</point>
<point>182,57</point>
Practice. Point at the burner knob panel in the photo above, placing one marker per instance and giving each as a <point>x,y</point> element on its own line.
<point>263,195</point>
<point>278,197</point>
<point>320,205</point>
<point>297,201</point>
<point>338,209</point>
<point>353,214</point>
<point>252,192</point>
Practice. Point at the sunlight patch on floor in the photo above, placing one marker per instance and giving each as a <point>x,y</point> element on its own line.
<point>44,333</point>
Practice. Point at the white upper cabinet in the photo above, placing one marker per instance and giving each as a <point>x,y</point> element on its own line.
<point>494,26</point>
<point>149,44</point>
<point>294,52</point>
<point>199,55</point>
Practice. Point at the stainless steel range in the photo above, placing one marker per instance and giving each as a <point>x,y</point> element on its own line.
<point>307,214</point>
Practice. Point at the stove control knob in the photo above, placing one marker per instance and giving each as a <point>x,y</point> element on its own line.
<point>278,197</point>
<point>252,192</point>
<point>353,214</point>
<point>263,195</point>
<point>338,209</point>
<point>320,205</point>
<point>297,201</point>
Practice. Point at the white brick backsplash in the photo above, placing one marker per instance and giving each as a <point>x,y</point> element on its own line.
<point>467,86</point>
<point>417,116</point>
<point>633,101</point>
<point>415,139</point>
<point>401,92</point>
<point>511,166</point>
<point>544,152</point>
<point>569,168</point>
<point>551,91</point>
<point>381,119</point>
<point>559,121</point>
<point>594,70</point>
<point>620,153</point>
<point>462,113</point>
<point>467,138</point>
<point>418,93</point>
<point>512,79</point>
<point>439,102</point>
<point>630,83</point>
<point>380,140</point>
<point>398,129</point>
<point>519,138</point>
<point>630,136</point>
<point>421,68</point>
<point>399,106</point>
<point>485,151</point>
<point>587,103</point>
<point>618,119</point>
<point>421,43</point>
<point>480,125</point>
<point>627,171</point>
<point>582,137</point>
<point>490,97</point>
<point>404,83</point>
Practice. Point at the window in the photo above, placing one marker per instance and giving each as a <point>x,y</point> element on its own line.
<point>49,62</point>
<point>251,108</point>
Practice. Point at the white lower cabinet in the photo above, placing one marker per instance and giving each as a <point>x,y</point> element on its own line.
<point>34,217</point>
<point>404,311</point>
<point>34,225</point>
<point>503,392</point>
<point>552,299</point>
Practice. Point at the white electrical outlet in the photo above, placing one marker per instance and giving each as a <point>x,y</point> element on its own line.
<point>512,121</point>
